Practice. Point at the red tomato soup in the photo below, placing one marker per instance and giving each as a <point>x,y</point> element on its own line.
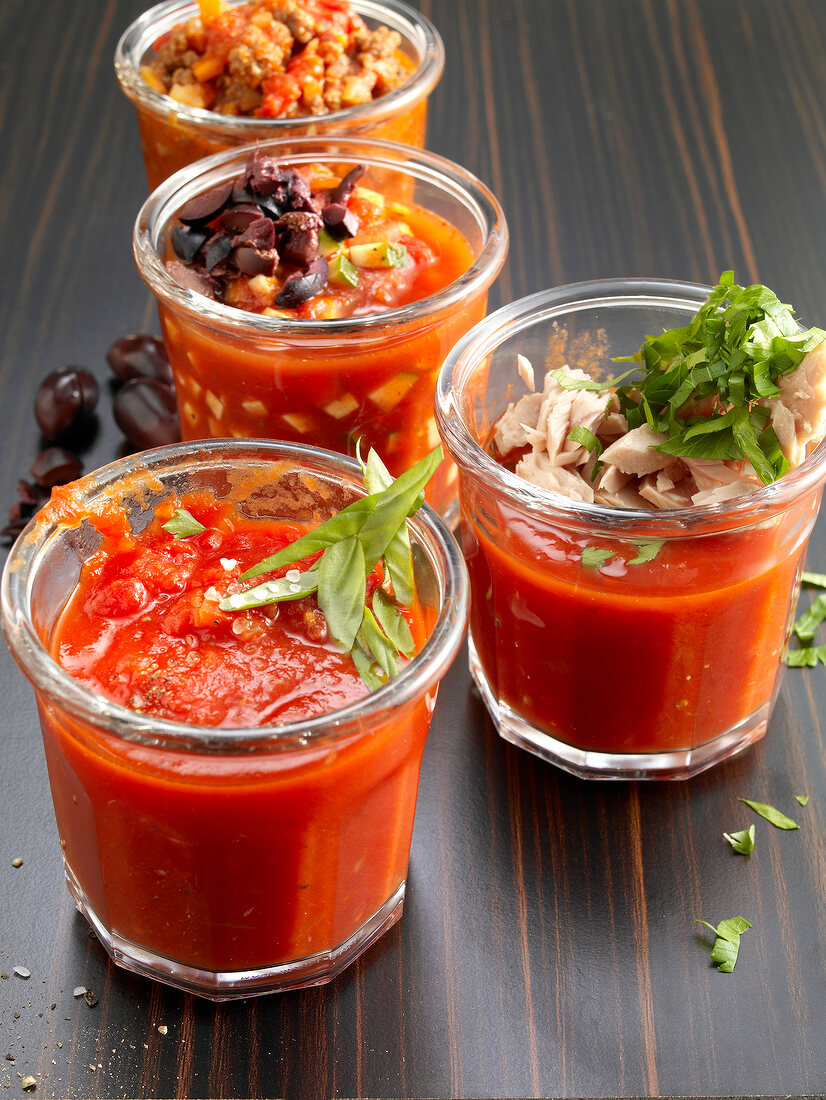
<point>223,860</point>
<point>650,657</point>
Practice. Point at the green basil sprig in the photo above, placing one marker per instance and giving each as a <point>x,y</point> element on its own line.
<point>352,542</point>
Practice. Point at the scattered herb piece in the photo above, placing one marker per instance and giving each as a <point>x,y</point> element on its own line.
<point>806,658</point>
<point>647,552</point>
<point>584,436</point>
<point>806,626</point>
<point>817,579</point>
<point>773,816</point>
<point>594,556</point>
<point>801,798</point>
<point>183,525</point>
<point>743,841</point>
<point>727,945</point>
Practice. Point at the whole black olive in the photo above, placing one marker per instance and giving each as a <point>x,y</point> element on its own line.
<point>147,413</point>
<point>65,398</point>
<point>139,356</point>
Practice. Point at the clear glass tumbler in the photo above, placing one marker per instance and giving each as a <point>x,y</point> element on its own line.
<point>231,862</point>
<point>650,669</point>
<point>174,134</point>
<point>335,381</point>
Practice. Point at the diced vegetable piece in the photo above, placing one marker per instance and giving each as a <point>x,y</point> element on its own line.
<point>282,313</point>
<point>342,406</point>
<point>215,404</point>
<point>207,68</point>
<point>388,395</point>
<point>343,272</point>
<point>299,422</point>
<point>150,77</point>
<point>397,208</point>
<point>327,244</point>
<point>254,407</point>
<point>378,254</point>
<point>373,197</point>
<point>192,95</point>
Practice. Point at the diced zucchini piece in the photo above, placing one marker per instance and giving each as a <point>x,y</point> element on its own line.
<point>214,404</point>
<point>433,437</point>
<point>299,422</point>
<point>372,197</point>
<point>378,254</point>
<point>270,312</point>
<point>343,272</point>
<point>327,244</point>
<point>342,406</point>
<point>397,208</point>
<point>388,395</point>
<point>254,408</point>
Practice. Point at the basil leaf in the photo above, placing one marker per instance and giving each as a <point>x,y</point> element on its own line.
<point>801,798</point>
<point>365,666</point>
<point>568,383</point>
<point>397,556</point>
<point>773,816</point>
<point>593,556</point>
<point>345,523</point>
<point>341,589</point>
<point>372,639</point>
<point>806,658</point>
<point>727,944</point>
<point>742,841</point>
<point>275,591</point>
<point>806,626</point>
<point>647,552</point>
<point>183,525</point>
<point>580,434</point>
<point>818,579</point>
<point>393,623</point>
<point>393,506</point>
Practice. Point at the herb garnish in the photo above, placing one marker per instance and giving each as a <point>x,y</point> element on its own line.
<point>183,524</point>
<point>727,359</point>
<point>772,815</point>
<point>806,627</point>
<point>801,798</point>
<point>352,542</point>
<point>743,841</point>
<point>647,552</point>
<point>594,556</point>
<point>727,945</point>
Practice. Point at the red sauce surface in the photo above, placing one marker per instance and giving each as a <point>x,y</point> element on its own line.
<point>643,658</point>
<point>222,860</point>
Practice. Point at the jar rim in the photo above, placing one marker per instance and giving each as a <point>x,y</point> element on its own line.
<point>547,305</point>
<point>424,670</point>
<point>418,30</point>
<point>159,209</point>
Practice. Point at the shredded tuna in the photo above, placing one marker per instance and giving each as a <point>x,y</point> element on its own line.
<point>630,471</point>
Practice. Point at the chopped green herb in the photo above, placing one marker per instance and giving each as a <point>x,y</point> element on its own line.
<point>647,552</point>
<point>818,579</point>
<point>568,383</point>
<point>594,556</point>
<point>584,436</point>
<point>743,841</point>
<point>727,945</point>
<point>351,543</point>
<point>183,525</point>
<point>806,626</point>
<point>773,816</point>
<point>801,798</point>
<point>729,356</point>
<point>808,657</point>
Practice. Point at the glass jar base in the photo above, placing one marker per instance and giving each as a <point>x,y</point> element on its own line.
<point>586,764</point>
<point>236,984</point>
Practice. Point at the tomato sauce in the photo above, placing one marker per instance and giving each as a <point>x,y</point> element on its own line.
<point>223,859</point>
<point>646,658</point>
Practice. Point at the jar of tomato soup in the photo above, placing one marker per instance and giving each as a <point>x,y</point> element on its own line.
<point>615,642</point>
<point>234,801</point>
<point>210,76</point>
<point>310,289</point>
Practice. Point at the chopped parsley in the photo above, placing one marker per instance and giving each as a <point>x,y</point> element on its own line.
<point>743,841</point>
<point>183,525</point>
<point>727,945</point>
<point>801,798</point>
<point>701,384</point>
<point>772,815</point>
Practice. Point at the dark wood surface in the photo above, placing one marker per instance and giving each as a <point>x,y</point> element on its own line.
<point>548,945</point>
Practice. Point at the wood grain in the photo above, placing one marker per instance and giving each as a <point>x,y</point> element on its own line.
<point>549,944</point>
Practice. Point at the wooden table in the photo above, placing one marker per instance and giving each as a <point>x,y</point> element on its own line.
<point>548,945</point>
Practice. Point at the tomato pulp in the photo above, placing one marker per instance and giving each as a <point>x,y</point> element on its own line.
<point>230,856</point>
<point>651,657</point>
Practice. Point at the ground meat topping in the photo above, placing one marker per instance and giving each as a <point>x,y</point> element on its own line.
<point>277,59</point>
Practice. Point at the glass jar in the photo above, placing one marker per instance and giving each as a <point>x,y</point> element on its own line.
<point>230,862</point>
<point>616,663</point>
